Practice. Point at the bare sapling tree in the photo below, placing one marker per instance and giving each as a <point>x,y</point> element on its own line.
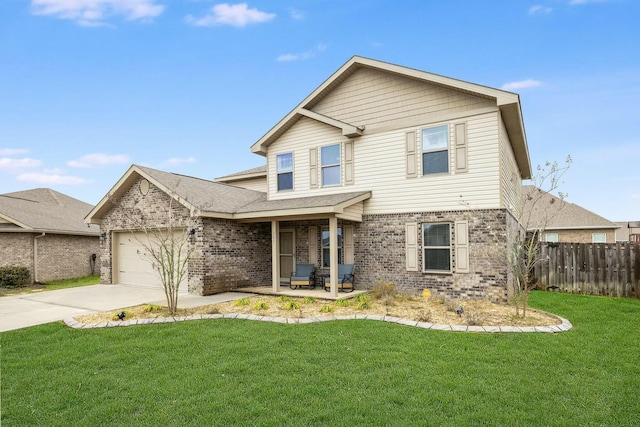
<point>536,212</point>
<point>166,235</point>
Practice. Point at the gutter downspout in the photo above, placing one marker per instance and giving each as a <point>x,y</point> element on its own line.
<point>35,257</point>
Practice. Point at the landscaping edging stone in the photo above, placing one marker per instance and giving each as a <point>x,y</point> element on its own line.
<point>563,327</point>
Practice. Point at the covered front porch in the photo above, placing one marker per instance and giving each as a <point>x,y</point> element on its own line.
<point>311,230</point>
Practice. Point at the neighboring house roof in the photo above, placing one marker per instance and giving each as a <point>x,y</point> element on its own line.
<point>219,200</point>
<point>507,102</point>
<point>553,213</point>
<point>43,210</point>
<point>260,171</point>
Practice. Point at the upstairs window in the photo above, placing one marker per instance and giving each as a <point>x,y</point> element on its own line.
<point>435,150</point>
<point>436,243</point>
<point>284,164</point>
<point>330,163</point>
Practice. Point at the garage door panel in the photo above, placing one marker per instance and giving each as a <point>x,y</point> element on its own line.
<point>133,267</point>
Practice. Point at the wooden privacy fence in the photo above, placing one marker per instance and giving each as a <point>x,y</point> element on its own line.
<point>609,269</point>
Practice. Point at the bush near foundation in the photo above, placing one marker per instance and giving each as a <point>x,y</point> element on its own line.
<point>13,277</point>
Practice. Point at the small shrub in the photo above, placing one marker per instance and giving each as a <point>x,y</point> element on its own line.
<point>283,298</point>
<point>309,300</point>
<point>241,302</point>
<point>13,277</point>
<point>362,298</point>
<point>474,318</point>
<point>384,288</point>
<point>261,306</point>
<point>363,305</point>
<point>291,305</point>
<point>152,308</point>
<point>342,302</point>
<point>326,308</point>
<point>451,304</point>
<point>388,301</point>
<point>424,315</point>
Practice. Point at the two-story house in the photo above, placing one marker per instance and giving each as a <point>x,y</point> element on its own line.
<point>410,176</point>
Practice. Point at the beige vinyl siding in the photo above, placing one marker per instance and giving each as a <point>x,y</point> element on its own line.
<point>257,184</point>
<point>353,212</point>
<point>378,99</point>
<point>380,167</point>
<point>510,179</point>
<point>305,135</point>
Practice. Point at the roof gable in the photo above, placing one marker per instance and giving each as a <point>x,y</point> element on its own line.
<point>44,210</point>
<point>312,106</point>
<point>552,212</point>
<point>197,195</point>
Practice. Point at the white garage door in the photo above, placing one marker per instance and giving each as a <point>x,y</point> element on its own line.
<point>132,266</point>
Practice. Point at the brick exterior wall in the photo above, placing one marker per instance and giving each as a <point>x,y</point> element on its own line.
<point>230,255</point>
<point>226,254</point>
<point>380,254</point>
<point>60,256</point>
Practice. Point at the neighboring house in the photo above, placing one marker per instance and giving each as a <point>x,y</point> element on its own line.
<point>413,177</point>
<point>628,232</point>
<point>564,222</point>
<point>44,231</point>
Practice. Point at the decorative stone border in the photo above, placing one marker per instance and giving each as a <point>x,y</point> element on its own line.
<point>565,326</point>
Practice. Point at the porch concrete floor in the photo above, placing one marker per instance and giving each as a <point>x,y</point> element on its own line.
<point>318,292</point>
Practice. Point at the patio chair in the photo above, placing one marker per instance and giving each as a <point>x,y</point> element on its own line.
<point>346,279</point>
<point>305,275</point>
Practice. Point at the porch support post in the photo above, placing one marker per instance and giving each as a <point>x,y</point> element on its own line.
<point>333,255</point>
<point>275,256</point>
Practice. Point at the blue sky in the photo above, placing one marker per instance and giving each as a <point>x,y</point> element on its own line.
<point>88,87</point>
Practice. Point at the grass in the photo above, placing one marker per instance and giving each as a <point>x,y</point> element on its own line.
<point>239,372</point>
<point>72,283</point>
<point>52,286</point>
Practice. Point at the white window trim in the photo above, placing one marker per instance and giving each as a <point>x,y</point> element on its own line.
<point>593,237</point>
<point>423,151</point>
<point>423,248</point>
<point>339,164</point>
<point>278,172</point>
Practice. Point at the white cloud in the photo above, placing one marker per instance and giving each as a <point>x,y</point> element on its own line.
<point>98,159</point>
<point>522,84</point>
<point>296,14</point>
<point>52,177</point>
<point>93,12</point>
<point>575,2</point>
<point>12,151</point>
<point>288,57</point>
<point>179,161</point>
<point>9,164</point>
<point>236,15</point>
<point>539,9</point>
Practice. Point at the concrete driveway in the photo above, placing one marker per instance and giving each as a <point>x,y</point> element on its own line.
<point>21,311</point>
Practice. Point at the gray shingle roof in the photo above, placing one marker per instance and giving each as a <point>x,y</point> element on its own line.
<point>206,195</point>
<point>253,171</point>
<point>301,202</point>
<point>552,212</point>
<point>45,210</point>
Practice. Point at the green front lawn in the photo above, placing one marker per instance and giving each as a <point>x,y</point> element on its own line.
<point>72,283</point>
<point>238,372</point>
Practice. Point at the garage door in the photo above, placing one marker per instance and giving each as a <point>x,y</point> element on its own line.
<point>132,266</point>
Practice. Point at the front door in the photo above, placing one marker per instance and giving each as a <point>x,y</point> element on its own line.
<point>286,255</point>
